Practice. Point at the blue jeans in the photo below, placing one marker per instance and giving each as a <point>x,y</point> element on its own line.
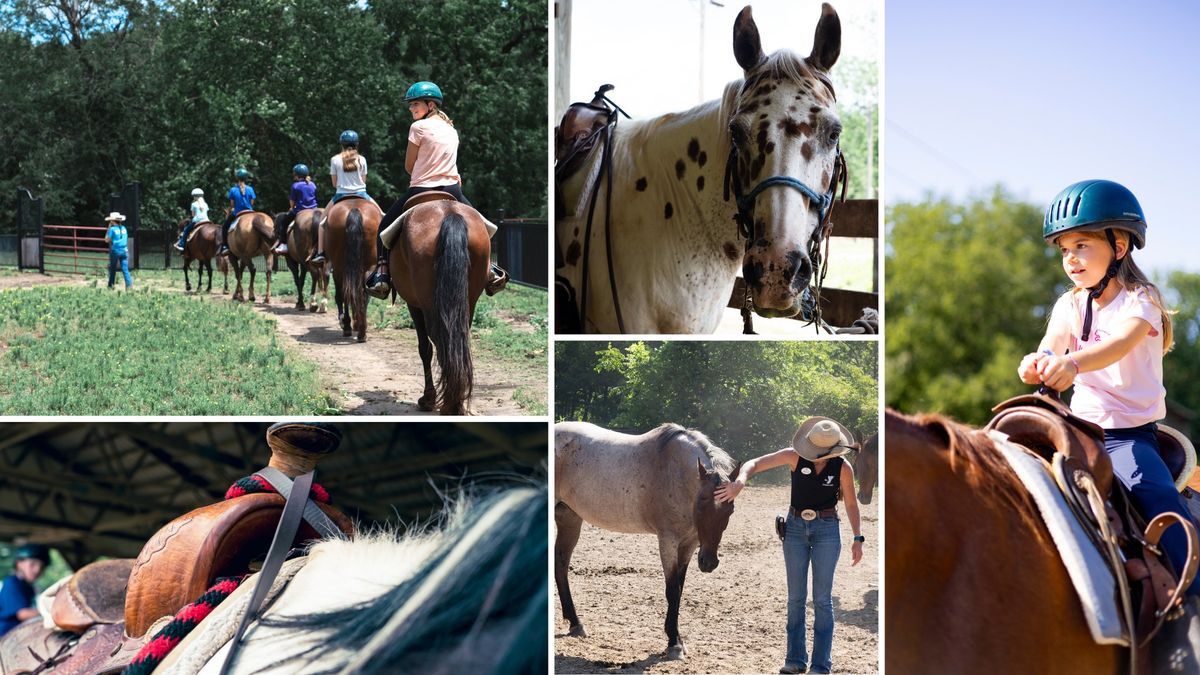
<point>818,542</point>
<point>1138,466</point>
<point>121,259</point>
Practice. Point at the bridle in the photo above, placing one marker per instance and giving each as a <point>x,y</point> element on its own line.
<point>821,201</point>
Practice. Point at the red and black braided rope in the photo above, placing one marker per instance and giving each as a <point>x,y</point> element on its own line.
<point>154,651</point>
<point>256,483</point>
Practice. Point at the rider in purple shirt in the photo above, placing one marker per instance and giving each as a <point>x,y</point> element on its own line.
<point>303,196</point>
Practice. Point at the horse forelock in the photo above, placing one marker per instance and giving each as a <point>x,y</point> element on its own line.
<point>721,461</point>
<point>787,65</point>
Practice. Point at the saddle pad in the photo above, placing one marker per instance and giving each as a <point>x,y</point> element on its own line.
<point>195,230</point>
<point>391,232</point>
<point>1085,565</point>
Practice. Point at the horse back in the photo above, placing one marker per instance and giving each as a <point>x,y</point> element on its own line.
<point>413,254</point>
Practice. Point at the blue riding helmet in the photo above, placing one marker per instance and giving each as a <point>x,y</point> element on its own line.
<point>300,170</point>
<point>242,173</point>
<point>35,551</point>
<point>349,137</point>
<point>1095,206</point>
<point>421,90</point>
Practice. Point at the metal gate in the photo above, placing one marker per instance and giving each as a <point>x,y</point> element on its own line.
<point>522,248</point>
<point>72,249</point>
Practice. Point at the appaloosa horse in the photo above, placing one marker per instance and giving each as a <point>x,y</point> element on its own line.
<point>251,234</point>
<point>765,153</point>
<point>660,482</point>
<point>301,240</point>
<point>351,228</point>
<point>201,246</point>
<point>439,266</point>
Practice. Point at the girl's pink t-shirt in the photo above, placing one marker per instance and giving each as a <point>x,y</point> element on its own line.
<point>437,160</point>
<point>1130,392</point>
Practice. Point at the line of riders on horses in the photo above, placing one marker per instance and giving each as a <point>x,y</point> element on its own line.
<point>431,161</point>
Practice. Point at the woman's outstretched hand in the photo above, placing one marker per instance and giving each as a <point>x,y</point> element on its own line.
<point>728,491</point>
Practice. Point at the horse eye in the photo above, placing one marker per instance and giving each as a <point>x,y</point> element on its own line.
<point>835,134</point>
<point>738,134</point>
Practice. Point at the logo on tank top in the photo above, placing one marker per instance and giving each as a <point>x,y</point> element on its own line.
<point>828,481</point>
<point>805,470</point>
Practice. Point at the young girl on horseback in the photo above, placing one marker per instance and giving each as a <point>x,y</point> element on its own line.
<point>303,196</point>
<point>1107,336</point>
<point>241,198</point>
<point>199,215</point>
<point>348,172</point>
<point>812,536</point>
<point>432,162</point>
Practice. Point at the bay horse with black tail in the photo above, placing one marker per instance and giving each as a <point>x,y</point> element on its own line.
<point>439,266</point>
<point>351,228</point>
<point>975,584</point>
<point>251,234</point>
<point>301,241</point>
<point>660,483</point>
<point>201,246</point>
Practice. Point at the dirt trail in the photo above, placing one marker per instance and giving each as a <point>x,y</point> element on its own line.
<point>732,620</point>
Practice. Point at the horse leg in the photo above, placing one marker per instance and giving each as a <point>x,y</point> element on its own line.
<point>675,557</point>
<point>298,277</point>
<point>339,297</point>
<point>270,262</point>
<point>250,266</point>
<point>238,268</point>
<point>208,267</point>
<point>568,523</point>
<point>187,283</point>
<point>428,400</point>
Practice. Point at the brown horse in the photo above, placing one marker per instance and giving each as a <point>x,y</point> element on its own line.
<point>201,246</point>
<point>301,241</point>
<point>253,234</point>
<point>439,266</point>
<point>866,468</point>
<point>350,230</point>
<point>974,583</point>
<point>660,483</point>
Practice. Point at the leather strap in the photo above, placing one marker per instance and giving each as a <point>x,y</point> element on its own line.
<point>312,514</point>
<point>1154,532</point>
<point>289,523</point>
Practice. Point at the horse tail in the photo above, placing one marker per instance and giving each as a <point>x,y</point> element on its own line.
<point>263,226</point>
<point>451,331</point>
<point>352,269</point>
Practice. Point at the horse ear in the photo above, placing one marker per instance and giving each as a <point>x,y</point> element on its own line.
<point>747,47</point>
<point>827,43</point>
<point>733,473</point>
<point>700,466</point>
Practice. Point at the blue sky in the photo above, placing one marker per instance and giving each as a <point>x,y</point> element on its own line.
<point>1038,95</point>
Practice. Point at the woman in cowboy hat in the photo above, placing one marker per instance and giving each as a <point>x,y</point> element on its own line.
<point>117,239</point>
<point>820,477</point>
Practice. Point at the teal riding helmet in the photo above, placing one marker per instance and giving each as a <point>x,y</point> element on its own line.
<point>241,173</point>
<point>421,90</point>
<point>1095,206</point>
<point>300,170</point>
<point>35,551</point>
<point>349,137</point>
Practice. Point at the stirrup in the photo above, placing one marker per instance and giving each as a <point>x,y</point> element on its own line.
<point>178,248</point>
<point>379,284</point>
<point>498,281</point>
<point>317,258</point>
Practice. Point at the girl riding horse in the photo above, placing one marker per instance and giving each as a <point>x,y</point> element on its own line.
<point>348,173</point>
<point>241,198</point>
<point>199,215</point>
<point>303,196</point>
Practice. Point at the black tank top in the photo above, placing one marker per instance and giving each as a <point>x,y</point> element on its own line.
<point>812,490</point>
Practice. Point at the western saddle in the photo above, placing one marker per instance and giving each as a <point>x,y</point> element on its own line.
<point>96,621</point>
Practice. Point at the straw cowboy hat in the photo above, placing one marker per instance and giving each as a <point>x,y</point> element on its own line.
<point>822,438</point>
<point>115,216</point>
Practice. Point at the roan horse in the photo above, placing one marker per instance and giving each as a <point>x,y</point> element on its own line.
<point>975,584</point>
<point>660,482</point>
<point>351,228</point>
<point>252,234</point>
<point>301,240</point>
<point>675,249</point>
<point>201,246</point>
<point>439,266</point>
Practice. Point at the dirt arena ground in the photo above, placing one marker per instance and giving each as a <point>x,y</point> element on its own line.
<point>732,620</point>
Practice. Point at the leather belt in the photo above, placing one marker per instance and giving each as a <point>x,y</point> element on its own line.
<point>812,514</point>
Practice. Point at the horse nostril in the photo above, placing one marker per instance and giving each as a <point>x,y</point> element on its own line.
<point>799,270</point>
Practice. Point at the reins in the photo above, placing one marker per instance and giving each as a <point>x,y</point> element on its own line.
<point>605,174</point>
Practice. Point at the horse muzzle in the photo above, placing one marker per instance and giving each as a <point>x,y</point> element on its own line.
<point>707,561</point>
<point>777,282</point>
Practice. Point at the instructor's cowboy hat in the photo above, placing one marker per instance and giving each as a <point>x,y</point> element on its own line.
<point>822,438</point>
<point>115,216</point>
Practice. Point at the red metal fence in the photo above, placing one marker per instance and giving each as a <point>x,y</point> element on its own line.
<point>74,249</point>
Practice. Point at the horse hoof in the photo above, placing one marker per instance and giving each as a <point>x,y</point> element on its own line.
<point>577,631</point>
<point>676,652</point>
<point>362,338</point>
<point>425,404</point>
<point>346,333</point>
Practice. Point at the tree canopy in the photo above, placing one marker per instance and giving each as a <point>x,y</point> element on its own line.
<point>749,397</point>
<point>176,95</point>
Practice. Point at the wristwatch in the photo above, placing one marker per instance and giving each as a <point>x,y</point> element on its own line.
<point>859,537</point>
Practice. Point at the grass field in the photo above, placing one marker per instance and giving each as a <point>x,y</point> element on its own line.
<point>70,350</point>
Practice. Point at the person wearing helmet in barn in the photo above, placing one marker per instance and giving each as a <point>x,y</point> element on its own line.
<point>432,163</point>
<point>302,196</point>
<point>241,199</point>
<point>1106,337</point>
<point>16,590</point>
<point>199,215</point>
<point>348,172</point>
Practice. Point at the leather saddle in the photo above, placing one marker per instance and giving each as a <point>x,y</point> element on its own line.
<point>578,132</point>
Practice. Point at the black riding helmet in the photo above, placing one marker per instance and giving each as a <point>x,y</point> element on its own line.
<point>34,551</point>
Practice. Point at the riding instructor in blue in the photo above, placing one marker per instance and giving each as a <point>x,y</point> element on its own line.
<point>16,590</point>
<point>812,534</point>
<point>432,162</point>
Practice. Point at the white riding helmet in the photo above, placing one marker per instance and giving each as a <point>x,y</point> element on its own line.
<point>197,192</point>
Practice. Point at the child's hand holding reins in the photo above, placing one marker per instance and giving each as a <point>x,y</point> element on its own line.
<point>1028,370</point>
<point>1057,371</point>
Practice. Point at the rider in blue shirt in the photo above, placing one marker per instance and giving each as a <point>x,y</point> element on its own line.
<point>303,196</point>
<point>16,590</point>
<point>118,253</point>
<point>241,198</point>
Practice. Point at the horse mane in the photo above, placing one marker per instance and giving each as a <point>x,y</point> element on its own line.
<point>721,461</point>
<point>787,65</point>
<point>475,603</point>
<point>973,455</point>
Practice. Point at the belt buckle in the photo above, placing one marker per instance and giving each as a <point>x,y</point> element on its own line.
<point>808,514</point>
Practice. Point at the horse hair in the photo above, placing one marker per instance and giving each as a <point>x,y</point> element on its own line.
<point>721,461</point>
<point>450,330</point>
<point>352,280</point>
<point>486,615</point>
<point>786,64</point>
